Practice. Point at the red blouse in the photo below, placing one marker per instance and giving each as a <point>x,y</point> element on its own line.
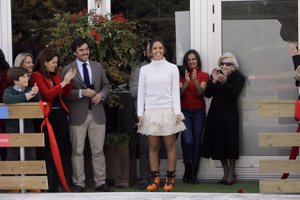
<point>190,99</point>
<point>48,91</point>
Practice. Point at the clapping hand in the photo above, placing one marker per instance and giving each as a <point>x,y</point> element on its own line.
<point>187,76</point>
<point>70,75</point>
<point>293,49</point>
<point>34,90</point>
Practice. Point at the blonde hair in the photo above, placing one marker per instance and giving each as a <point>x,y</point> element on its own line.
<point>20,59</point>
<point>232,57</point>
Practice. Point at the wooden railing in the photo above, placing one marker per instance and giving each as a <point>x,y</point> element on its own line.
<point>279,109</point>
<point>36,169</point>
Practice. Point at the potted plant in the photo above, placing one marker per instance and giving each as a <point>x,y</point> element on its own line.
<point>120,151</point>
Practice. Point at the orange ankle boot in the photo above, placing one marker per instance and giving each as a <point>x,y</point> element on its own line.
<point>170,181</point>
<point>153,187</point>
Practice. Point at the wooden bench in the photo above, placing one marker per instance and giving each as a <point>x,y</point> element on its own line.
<point>279,109</point>
<point>8,169</point>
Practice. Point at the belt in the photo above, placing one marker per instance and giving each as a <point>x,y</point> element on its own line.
<point>55,108</point>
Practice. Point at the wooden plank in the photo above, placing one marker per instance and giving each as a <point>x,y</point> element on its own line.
<point>21,110</point>
<point>23,182</point>
<point>276,108</point>
<point>279,139</point>
<point>22,140</point>
<point>279,166</point>
<point>279,186</point>
<point>23,167</point>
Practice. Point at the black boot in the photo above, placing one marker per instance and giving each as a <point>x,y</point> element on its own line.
<point>194,179</point>
<point>187,176</point>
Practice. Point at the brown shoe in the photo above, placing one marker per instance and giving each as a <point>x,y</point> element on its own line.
<point>35,191</point>
<point>79,188</point>
<point>14,191</point>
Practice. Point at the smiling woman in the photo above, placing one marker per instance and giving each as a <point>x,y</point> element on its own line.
<point>53,90</point>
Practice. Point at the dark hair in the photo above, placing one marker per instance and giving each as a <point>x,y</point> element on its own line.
<point>78,42</point>
<point>3,63</point>
<point>157,39</point>
<point>44,56</point>
<point>15,73</point>
<point>185,61</point>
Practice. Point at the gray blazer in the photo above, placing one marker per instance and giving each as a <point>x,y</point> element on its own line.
<point>79,106</point>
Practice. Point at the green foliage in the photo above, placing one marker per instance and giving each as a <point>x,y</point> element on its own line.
<point>121,138</point>
<point>114,42</point>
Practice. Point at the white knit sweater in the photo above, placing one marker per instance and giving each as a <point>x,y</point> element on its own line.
<point>158,87</point>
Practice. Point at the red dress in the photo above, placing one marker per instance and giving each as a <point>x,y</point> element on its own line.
<point>3,85</point>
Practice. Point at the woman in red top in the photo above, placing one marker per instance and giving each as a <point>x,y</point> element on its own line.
<point>192,86</point>
<point>53,90</point>
<point>4,66</point>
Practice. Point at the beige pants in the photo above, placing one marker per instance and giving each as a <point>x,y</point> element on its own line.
<point>96,135</point>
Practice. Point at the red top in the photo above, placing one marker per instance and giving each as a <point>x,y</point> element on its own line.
<point>48,91</point>
<point>190,99</point>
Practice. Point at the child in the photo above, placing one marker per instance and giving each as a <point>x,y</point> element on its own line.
<point>19,92</point>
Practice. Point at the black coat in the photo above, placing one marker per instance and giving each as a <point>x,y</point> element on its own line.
<point>296,61</point>
<point>221,133</point>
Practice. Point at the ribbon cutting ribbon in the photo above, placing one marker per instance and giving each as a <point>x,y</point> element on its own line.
<point>53,145</point>
<point>295,149</point>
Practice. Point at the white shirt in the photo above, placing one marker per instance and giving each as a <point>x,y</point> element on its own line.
<point>158,87</point>
<point>80,68</point>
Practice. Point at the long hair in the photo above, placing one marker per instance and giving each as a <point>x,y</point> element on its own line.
<point>3,63</point>
<point>185,65</point>
<point>45,55</point>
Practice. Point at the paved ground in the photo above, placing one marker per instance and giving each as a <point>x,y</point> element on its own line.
<point>147,196</point>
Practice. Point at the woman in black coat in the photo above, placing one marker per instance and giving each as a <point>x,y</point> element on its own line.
<point>221,134</point>
<point>295,53</point>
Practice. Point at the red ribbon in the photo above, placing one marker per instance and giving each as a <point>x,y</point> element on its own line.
<point>295,149</point>
<point>53,145</point>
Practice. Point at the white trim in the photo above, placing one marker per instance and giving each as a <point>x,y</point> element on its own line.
<point>199,29</point>
<point>247,168</point>
<point>102,8</point>
<point>6,30</point>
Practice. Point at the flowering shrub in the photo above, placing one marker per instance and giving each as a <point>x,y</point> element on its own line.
<point>114,41</point>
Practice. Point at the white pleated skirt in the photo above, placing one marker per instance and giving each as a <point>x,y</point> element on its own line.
<point>160,122</point>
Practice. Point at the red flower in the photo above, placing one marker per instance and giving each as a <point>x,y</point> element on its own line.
<point>73,17</point>
<point>96,35</point>
<point>119,18</point>
<point>83,11</point>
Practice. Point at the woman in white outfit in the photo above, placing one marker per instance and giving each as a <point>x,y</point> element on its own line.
<point>159,111</point>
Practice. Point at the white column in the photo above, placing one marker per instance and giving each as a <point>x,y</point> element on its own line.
<point>6,30</point>
<point>100,6</point>
<point>199,29</point>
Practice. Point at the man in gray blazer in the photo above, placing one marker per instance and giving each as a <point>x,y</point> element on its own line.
<point>87,116</point>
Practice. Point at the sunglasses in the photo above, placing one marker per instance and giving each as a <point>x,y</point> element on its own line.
<point>226,64</point>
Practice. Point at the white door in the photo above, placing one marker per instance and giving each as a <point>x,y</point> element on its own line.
<point>258,33</point>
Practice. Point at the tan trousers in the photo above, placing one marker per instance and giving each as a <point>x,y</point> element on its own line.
<point>96,135</point>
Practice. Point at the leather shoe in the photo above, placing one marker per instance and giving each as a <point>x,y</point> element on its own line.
<point>79,188</point>
<point>143,183</point>
<point>103,188</point>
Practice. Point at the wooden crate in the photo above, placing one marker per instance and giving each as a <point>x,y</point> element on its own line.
<point>276,108</point>
<point>11,169</point>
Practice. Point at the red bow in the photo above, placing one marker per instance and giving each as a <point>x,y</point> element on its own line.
<point>53,145</point>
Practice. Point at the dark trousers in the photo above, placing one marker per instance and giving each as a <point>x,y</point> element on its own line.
<point>58,120</point>
<point>191,137</point>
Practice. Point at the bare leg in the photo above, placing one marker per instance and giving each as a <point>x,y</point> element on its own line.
<point>154,142</point>
<point>170,143</point>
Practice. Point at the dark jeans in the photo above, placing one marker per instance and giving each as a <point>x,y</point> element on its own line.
<point>191,137</point>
